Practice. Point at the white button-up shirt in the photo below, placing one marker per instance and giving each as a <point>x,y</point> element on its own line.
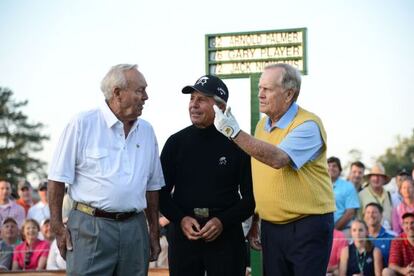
<point>102,167</point>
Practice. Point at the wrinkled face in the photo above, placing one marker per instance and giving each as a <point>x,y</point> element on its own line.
<point>25,193</point>
<point>201,109</point>
<point>9,230</point>
<point>408,226</point>
<point>273,99</point>
<point>333,171</point>
<point>407,189</point>
<point>356,175</point>
<point>358,231</point>
<point>5,190</point>
<point>30,231</point>
<point>132,99</point>
<point>377,180</point>
<point>372,216</point>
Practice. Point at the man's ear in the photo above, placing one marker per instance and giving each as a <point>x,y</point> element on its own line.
<point>290,95</point>
<point>116,92</point>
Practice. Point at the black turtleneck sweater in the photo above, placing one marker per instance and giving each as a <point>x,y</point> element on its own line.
<point>204,169</point>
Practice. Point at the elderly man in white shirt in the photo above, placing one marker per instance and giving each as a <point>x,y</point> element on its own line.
<point>109,158</point>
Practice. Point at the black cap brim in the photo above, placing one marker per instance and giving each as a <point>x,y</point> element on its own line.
<point>190,89</point>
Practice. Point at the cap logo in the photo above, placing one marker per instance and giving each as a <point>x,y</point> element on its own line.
<point>202,81</point>
<point>221,91</point>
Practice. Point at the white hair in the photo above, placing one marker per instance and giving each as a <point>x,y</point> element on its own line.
<point>115,78</point>
<point>291,78</point>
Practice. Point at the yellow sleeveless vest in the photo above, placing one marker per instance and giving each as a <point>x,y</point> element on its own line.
<point>284,195</point>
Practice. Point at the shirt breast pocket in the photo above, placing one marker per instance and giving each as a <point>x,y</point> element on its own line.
<point>97,160</point>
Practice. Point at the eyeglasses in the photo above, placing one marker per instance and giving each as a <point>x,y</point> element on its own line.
<point>27,256</point>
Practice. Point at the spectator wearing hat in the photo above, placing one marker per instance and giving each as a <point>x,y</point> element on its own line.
<point>346,197</point>
<point>401,261</point>
<point>9,239</point>
<point>24,190</point>
<point>46,233</point>
<point>356,175</point>
<point>9,208</point>
<point>406,205</point>
<point>375,192</point>
<point>10,232</point>
<point>40,211</point>
<point>204,172</point>
<point>378,235</point>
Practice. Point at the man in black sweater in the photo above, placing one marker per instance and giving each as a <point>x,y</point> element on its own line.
<point>208,192</point>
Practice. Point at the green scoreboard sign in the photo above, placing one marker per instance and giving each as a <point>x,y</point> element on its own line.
<point>247,53</point>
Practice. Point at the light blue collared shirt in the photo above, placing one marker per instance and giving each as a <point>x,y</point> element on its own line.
<point>302,144</point>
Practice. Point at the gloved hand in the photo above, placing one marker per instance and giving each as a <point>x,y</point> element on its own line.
<point>225,122</point>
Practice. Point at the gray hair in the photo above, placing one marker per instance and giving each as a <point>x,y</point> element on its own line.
<point>291,78</point>
<point>219,100</point>
<point>115,78</point>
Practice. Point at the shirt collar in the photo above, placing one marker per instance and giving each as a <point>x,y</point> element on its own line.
<point>285,120</point>
<point>108,115</point>
<point>405,240</point>
<point>381,232</point>
<point>375,195</point>
<point>110,118</point>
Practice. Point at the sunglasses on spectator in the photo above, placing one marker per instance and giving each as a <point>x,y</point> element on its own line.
<point>27,256</point>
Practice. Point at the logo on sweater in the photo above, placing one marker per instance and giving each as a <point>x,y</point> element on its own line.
<point>222,161</point>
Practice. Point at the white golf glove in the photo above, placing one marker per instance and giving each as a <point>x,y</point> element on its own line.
<point>226,123</point>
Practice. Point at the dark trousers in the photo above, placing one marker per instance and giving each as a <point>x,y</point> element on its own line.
<point>301,247</point>
<point>225,256</point>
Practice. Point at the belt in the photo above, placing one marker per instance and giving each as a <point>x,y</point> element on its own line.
<point>206,212</point>
<point>95,212</point>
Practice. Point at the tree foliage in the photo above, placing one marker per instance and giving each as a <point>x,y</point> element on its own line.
<point>399,157</point>
<point>19,139</point>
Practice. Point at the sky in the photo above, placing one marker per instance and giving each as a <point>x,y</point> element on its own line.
<point>360,61</point>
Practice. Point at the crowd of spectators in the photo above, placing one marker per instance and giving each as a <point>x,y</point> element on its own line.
<point>374,224</point>
<point>374,221</point>
<point>27,243</point>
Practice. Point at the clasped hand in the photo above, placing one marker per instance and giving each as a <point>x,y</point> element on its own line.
<point>225,122</point>
<point>209,232</point>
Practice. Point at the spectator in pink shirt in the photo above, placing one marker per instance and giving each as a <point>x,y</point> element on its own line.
<point>339,241</point>
<point>9,208</point>
<point>32,253</point>
<point>406,205</point>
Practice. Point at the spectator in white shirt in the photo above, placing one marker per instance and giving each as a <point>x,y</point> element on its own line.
<point>40,211</point>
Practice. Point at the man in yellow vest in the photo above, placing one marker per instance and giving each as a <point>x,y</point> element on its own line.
<point>292,187</point>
